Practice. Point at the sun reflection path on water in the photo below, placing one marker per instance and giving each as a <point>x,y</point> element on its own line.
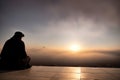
<point>70,73</point>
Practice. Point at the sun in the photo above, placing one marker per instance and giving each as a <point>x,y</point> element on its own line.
<point>75,48</point>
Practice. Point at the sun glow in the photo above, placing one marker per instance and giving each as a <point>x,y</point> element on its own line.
<point>75,48</point>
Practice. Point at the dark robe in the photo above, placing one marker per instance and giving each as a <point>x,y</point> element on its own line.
<point>13,54</point>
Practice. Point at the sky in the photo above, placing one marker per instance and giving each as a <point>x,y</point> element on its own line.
<point>91,24</point>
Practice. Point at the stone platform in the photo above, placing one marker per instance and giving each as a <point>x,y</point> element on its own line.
<point>62,73</point>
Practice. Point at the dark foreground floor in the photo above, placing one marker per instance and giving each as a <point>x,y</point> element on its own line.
<point>62,73</point>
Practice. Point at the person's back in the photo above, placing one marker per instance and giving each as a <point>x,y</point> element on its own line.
<point>13,54</point>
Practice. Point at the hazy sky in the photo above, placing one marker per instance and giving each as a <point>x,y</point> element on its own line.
<point>58,23</point>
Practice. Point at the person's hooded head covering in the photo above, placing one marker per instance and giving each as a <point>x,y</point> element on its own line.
<point>19,34</point>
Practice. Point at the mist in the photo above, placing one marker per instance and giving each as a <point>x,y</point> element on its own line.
<point>65,58</point>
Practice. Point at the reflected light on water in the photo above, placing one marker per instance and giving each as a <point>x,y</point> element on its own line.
<point>72,73</point>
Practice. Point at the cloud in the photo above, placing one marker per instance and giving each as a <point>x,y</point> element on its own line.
<point>91,18</point>
<point>47,21</point>
<point>40,12</point>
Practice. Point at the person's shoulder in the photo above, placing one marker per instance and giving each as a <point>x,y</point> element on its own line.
<point>9,40</point>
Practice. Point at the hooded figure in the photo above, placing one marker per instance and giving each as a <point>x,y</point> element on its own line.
<point>13,54</point>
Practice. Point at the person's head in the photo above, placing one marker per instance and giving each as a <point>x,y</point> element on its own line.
<point>18,34</point>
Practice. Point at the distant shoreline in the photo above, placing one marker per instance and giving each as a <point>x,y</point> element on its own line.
<point>77,66</point>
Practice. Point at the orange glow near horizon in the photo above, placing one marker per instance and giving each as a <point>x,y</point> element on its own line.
<point>69,48</point>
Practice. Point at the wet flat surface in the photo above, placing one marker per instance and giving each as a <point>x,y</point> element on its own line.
<point>62,73</point>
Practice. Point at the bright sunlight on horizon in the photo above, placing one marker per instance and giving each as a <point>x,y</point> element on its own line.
<point>75,48</point>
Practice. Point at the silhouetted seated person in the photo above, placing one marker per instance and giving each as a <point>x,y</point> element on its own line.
<point>13,54</point>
